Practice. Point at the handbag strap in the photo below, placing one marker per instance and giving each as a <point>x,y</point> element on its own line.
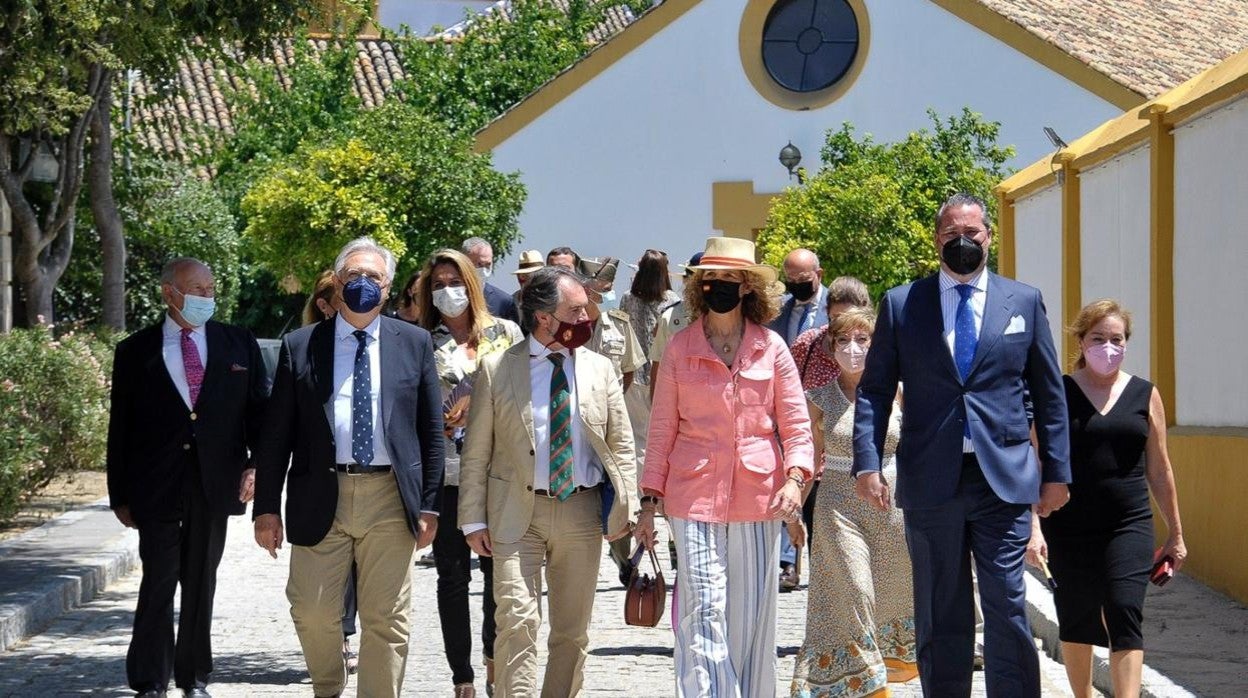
<point>635,558</point>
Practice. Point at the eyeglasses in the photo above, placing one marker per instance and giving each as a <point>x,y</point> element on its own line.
<point>843,342</point>
<point>355,274</point>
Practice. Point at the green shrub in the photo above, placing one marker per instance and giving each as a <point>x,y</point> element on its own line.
<point>53,409</point>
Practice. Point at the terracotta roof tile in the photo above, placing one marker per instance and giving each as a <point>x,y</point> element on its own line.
<point>614,22</point>
<point>1149,46</point>
<point>196,101</point>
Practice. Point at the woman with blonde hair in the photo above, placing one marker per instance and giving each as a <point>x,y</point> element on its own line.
<point>320,303</point>
<point>728,455</point>
<point>1100,545</point>
<point>450,301</point>
<point>860,612</point>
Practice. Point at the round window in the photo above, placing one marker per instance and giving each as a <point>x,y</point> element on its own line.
<point>808,45</point>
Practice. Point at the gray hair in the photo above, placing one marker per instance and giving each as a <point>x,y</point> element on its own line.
<point>964,199</point>
<point>173,266</point>
<point>543,292</point>
<point>365,244</point>
<point>473,243</point>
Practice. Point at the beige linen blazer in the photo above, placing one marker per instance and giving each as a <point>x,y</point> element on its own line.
<point>496,464</point>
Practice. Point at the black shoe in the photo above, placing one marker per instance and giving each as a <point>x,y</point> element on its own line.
<point>626,573</point>
<point>151,693</point>
<point>196,693</point>
<point>788,578</point>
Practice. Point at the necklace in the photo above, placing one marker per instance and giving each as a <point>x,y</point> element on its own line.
<point>713,338</point>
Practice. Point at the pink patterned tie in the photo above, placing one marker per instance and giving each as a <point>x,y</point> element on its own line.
<point>193,366</point>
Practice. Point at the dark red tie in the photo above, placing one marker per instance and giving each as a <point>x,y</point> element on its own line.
<point>194,367</point>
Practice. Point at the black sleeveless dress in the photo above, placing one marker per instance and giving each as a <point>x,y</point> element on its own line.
<point>1101,542</point>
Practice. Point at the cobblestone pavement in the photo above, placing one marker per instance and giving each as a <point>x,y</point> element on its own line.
<point>257,653</point>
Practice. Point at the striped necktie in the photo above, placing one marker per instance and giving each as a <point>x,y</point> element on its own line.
<point>561,484</point>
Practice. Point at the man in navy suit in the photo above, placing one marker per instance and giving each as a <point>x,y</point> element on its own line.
<point>353,432</point>
<point>499,302</point>
<point>805,302</point>
<point>966,345</point>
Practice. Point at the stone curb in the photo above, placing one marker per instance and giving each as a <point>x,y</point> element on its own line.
<point>37,601</point>
<point>1043,617</point>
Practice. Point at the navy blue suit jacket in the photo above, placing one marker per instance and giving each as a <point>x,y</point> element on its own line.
<point>500,303</point>
<point>299,428</point>
<point>909,347</point>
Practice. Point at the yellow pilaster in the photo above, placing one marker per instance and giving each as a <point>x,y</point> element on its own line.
<point>1072,251</point>
<point>1006,245</point>
<point>1161,256</point>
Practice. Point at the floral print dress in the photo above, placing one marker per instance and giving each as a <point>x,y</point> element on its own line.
<point>860,611</point>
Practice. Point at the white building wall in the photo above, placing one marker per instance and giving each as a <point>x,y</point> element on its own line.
<point>627,161</point>
<point>1114,233</point>
<point>423,15</point>
<point>1211,268</point>
<point>1038,251</point>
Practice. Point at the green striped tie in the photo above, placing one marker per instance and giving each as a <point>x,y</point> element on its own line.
<point>561,484</point>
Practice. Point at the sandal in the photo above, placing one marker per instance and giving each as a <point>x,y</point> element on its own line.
<point>351,659</point>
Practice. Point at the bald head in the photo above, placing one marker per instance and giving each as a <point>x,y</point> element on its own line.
<point>802,265</point>
<point>182,277</point>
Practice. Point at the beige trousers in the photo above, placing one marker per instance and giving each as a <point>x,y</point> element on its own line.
<point>370,526</point>
<point>568,537</point>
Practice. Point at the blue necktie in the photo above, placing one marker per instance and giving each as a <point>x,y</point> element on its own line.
<point>362,404</point>
<point>964,339</point>
<point>801,325</point>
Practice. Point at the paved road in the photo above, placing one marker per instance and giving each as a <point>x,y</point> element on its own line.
<point>257,653</point>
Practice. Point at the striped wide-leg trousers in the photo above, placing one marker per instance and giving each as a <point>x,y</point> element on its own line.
<point>726,586</point>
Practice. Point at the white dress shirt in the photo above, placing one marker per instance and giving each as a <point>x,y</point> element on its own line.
<point>586,470</point>
<point>171,349</point>
<point>949,299</point>
<point>345,345</point>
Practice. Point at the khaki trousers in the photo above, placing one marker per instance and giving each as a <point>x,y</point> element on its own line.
<point>370,526</point>
<point>568,537</point>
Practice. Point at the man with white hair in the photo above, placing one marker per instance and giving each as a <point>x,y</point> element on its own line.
<point>499,302</point>
<point>357,402</point>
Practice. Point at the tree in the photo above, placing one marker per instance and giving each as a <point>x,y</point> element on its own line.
<point>393,174</point>
<point>58,59</point>
<point>870,209</point>
<point>165,210</point>
<point>499,60</point>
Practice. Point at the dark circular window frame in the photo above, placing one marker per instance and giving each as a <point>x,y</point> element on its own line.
<point>750,40</point>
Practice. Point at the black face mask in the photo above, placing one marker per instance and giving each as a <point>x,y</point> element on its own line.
<point>722,296</point>
<point>962,255</point>
<point>801,291</point>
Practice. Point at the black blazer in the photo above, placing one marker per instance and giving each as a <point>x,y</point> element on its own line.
<point>299,423</point>
<point>151,430</point>
<point>500,303</point>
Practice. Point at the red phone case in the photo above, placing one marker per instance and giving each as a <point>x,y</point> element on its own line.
<point>1163,569</point>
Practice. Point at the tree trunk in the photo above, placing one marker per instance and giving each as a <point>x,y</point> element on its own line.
<point>104,210</point>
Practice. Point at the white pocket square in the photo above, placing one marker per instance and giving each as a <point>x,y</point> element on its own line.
<point>1017,324</point>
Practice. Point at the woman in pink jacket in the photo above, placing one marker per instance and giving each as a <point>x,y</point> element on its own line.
<point>730,450</point>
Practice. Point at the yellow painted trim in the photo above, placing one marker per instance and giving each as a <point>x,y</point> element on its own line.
<point>1050,56</point>
<point>1161,255</point>
<point>1224,81</point>
<point>1034,178</point>
<point>750,50</point>
<point>737,211</point>
<point>591,66</point>
<point>1006,244</point>
<point>1072,252</point>
<point>1212,482</point>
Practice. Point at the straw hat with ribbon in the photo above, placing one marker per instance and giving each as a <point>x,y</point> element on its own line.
<point>732,254</point>
<point>530,261</point>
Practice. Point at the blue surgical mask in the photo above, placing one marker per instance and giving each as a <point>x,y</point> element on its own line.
<point>484,273</point>
<point>362,294</point>
<point>196,310</point>
<point>608,300</point>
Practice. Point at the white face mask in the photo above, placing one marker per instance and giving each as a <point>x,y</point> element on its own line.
<point>451,301</point>
<point>484,273</point>
<point>852,359</point>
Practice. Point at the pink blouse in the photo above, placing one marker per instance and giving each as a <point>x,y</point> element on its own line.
<point>712,450</point>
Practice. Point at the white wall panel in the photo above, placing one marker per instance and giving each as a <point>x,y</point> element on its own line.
<point>1038,250</point>
<point>627,161</point>
<point>1114,234</point>
<point>1211,268</point>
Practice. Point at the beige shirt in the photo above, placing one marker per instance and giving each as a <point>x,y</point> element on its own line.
<point>613,338</point>
<point>674,320</point>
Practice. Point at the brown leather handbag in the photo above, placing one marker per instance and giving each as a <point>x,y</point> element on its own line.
<point>646,596</point>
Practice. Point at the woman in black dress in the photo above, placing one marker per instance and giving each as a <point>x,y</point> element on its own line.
<point>1100,545</point>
